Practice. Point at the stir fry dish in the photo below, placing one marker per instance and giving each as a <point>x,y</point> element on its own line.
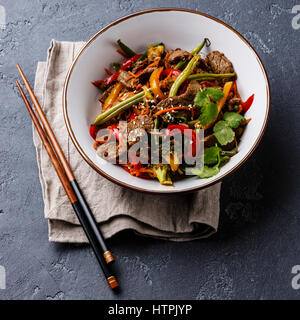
<point>150,95</point>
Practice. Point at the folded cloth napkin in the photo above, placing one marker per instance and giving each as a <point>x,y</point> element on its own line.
<point>178,218</point>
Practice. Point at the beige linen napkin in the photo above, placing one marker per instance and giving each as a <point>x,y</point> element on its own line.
<point>177,218</point>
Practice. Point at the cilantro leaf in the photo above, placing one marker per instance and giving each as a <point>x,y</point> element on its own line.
<point>211,155</point>
<point>200,98</point>
<point>233,119</point>
<point>215,94</point>
<point>206,172</point>
<point>209,110</point>
<point>223,161</point>
<point>223,132</point>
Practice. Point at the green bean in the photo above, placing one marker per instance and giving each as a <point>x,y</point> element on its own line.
<point>181,64</point>
<point>183,76</point>
<point>115,110</point>
<point>210,76</point>
<point>122,108</point>
<point>199,48</point>
<point>130,53</point>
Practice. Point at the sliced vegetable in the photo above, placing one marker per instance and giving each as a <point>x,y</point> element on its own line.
<point>206,100</point>
<point>145,54</point>
<point>111,79</point>
<point>226,89</point>
<point>116,109</point>
<point>148,94</point>
<point>108,81</point>
<point>129,62</point>
<point>191,134</point>
<point>115,131</point>
<point>181,64</point>
<point>162,173</point>
<point>129,52</point>
<point>160,112</point>
<point>210,76</point>
<point>172,160</point>
<point>173,72</point>
<point>93,131</point>
<point>155,51</point>
<point>112,97</point>
<point>154,83</point>
<point>133,161</point>
<point>248,103</point>
<point>184,75</point>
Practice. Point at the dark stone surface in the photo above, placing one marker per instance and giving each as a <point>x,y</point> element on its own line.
<point>252,255</point>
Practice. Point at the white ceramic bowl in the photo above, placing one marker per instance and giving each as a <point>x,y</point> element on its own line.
<point>177,28</point>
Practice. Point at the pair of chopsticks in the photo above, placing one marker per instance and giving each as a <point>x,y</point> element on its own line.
<point>69,183</point>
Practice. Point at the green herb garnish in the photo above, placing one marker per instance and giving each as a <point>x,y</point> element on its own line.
<point>223,132</point>
<point>206,101</point>
<point>233,119</point>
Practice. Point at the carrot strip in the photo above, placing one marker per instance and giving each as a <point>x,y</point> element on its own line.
<point>121,53</point>
<point>246,121</point>
<point>108,71</point>
<point>138,86</point>
<point>155,63</point>
<point>240,109</point>
<point>169,110</point>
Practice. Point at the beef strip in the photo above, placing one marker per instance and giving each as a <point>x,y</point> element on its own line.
<point>218,62</point>
<point>133,82</point>
<point>105,94</point>
<point>174,56</point>
<point>135,129</point>
<point>234,102</point>
<point>129,84</point>
<point>145,74</point>
<point>184,99</point>
<point>140,65</point>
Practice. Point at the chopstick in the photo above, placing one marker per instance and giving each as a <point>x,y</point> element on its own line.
<point>78,203</point>
<point>65,165</point>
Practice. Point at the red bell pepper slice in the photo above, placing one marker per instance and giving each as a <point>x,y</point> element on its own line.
<point>248,103</point>
<point>133,160</point>
<point>115,131</point>
<point>174,72</point>
<point>126,65</point>
<point>129,62</point>
<point>190,133</point>
<point>93,131</point>
<point>109,80</point>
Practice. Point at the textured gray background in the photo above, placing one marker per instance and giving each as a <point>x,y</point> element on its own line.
<point>258,243</point>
